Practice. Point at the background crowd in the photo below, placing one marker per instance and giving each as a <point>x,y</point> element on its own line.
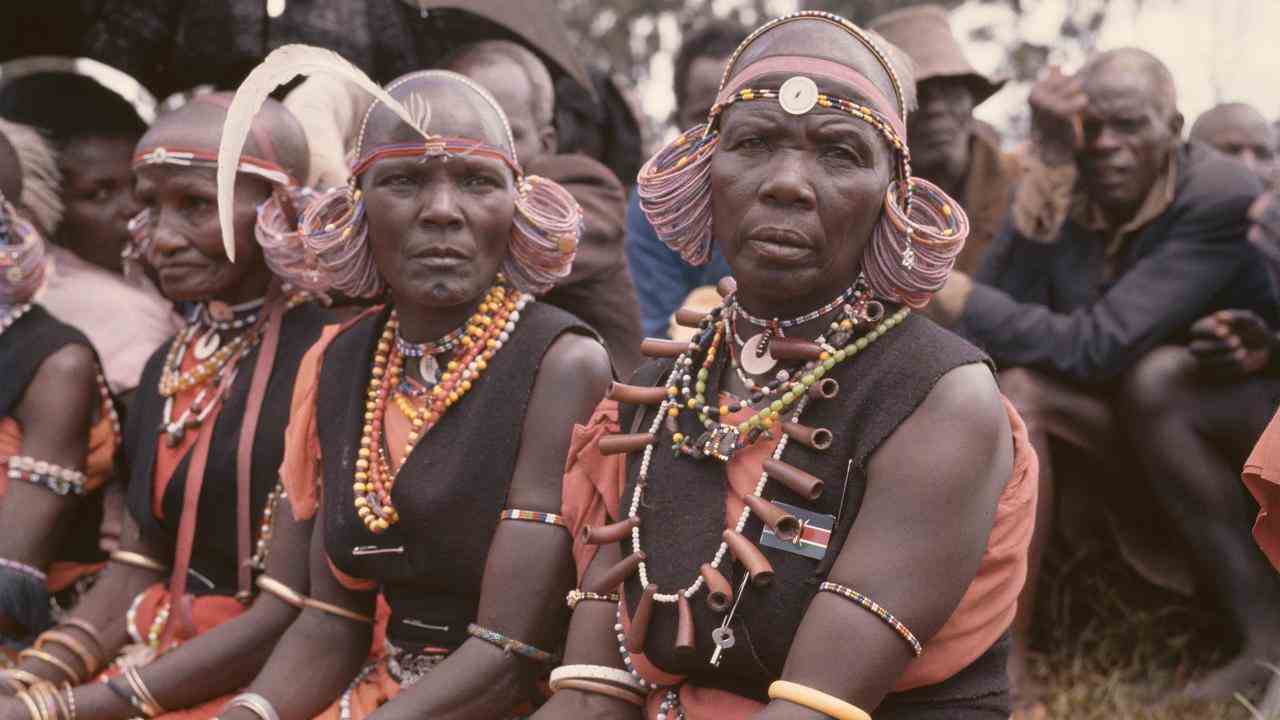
<point>1120,269</point>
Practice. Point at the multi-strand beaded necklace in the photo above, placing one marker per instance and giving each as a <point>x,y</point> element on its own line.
<point>785,397</point>
<point>483,335</point>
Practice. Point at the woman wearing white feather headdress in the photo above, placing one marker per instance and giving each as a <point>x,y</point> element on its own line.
<point>428,435</point>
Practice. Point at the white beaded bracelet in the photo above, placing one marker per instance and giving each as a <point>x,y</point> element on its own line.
<point>601,673</point>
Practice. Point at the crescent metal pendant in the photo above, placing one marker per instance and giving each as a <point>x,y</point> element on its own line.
<point>752,360</point>
<point>207,345</point>
<point>429,368</point>
<point>798,95</point>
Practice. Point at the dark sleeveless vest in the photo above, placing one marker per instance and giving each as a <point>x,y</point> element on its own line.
<point>879,389</point>
<point>213,557</point>
<point>23,349</point>
<point>450,490</point>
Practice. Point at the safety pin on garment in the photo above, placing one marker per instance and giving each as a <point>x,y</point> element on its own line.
<point>425,626</point>
<point>375,550</point>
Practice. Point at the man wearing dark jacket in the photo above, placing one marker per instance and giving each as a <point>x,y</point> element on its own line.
<point>1120,238</point>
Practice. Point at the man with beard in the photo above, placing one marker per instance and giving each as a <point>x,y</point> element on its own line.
<point>950,147</point>
<point>1121,238</point>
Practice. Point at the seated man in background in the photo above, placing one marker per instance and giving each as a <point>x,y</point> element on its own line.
<point>949,146</point>
<point>1239,130</point>
<point>599,289</point>
<point>92,131</point>
<point>663,280</point>
<point>1121,238</point>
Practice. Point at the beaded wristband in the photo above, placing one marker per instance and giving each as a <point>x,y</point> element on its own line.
<point>511,646</point>
<point>286,594</point>
<point>256,704</point>
<point>868,604</point>
<point>52,661</point>
<point>576,596</point>
<point>533,516</point>
<point>71,701</point>
<point>600,688</point>
<point>87,659</point>
<point>816,700</point>
<point>138,560</point>
<point>57,479</point>
<point>599,673</point>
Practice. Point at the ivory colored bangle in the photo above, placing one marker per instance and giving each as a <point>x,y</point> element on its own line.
<point>26,678</point>
<point>138,560</point>
<point>52,661</point>
<point>335,610</point>
<point>600,688</point>
<point>88,629</point>
<point>32,709</point>
<point>602,673</point>
<point>286,594</point>
<point>256,704</point>
<point>64,640</point>
<point>816,700</point>
<point>13,683</point>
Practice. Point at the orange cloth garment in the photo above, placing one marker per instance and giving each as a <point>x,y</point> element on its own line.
<point>593,484</point>
<point>1262,477</point>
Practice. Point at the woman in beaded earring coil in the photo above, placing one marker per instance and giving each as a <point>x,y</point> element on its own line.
<point>203,443</point>
<point>428,436</point>
<point>820,505</point>
<point>58,433</point>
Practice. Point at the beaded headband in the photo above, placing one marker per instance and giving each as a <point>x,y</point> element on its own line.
<point>22,256</point>
<point>438,146</point>
<point>190,157</point>
<point>914,245</point>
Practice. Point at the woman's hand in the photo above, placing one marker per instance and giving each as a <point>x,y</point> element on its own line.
<point>1231,343</point>
<point>1057,100</point>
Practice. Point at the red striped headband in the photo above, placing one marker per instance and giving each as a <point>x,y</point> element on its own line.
<point>193,157</point>
<point>813,67</point>
<point>436,146</point>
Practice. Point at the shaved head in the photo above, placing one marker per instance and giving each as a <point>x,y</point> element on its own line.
<point>1239,130</point>
<point>1135,68</point>
<point>505,54</point>
<point>448,104</point>
<point>276,134</point>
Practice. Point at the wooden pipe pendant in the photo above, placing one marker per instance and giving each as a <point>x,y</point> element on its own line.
<point>824,389</point>
<point>636,394</point>
<point>617,444</point>
<point>690,318</point>
<point>639,627</point>
<point>719,591</point>
<point>613,532</point>
<point>750,556</point>
<point>615,575</point>
<point>685,633</point>
<point>784,524</point>
<point>816,438</point>
<point>785,348</point>
<point>798,481</point>
<point>658,348</point>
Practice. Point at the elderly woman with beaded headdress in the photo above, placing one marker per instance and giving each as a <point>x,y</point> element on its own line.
<point>58,429</point>
<point>203,443</point>
<point>819,506</point>
<point>428,435</point>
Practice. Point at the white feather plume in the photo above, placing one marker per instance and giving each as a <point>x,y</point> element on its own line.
<point>278,68</point>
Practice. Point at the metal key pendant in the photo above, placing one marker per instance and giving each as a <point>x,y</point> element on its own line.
<point>723,635</point>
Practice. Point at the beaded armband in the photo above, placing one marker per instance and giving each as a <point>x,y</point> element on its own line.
<point>871,606</point>
<point>509,645</point>
<point>57,479</point>
<point>533,516</point>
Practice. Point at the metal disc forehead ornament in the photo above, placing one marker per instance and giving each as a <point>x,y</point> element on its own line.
<point>798,95</point>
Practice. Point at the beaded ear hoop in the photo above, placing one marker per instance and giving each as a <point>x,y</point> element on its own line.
<point>22,257</point>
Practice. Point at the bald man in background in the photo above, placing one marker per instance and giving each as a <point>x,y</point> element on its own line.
<point>1121,237</point>
<point>1239,130</point>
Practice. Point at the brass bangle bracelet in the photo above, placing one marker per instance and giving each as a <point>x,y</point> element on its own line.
<point>13,683</point>
<point>599,688</point>
<point>335,610</point>
<point>52,661</point>
<point>138,560</point>
<point>88,629</point>
<point>576,596</point>
<point>816,700</point>
<point>26,678</point>
<point>286,594</point>
<point>32,709</point>
<point>61,639</point>
<point>141,696</point>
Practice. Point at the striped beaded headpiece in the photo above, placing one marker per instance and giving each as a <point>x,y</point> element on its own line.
<point>327,247</point>
<point>921,230</point>
<point>22,256</point>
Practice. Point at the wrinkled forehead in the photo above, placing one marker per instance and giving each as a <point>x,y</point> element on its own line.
<point>446,106</point>
<point>198,126</point>
<point>811,37</point>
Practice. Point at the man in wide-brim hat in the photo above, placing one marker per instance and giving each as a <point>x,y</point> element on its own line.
<point>948,145</point>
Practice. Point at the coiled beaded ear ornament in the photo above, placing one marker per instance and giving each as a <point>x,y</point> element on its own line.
<point>921,230</point>
<point>22,257</point>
